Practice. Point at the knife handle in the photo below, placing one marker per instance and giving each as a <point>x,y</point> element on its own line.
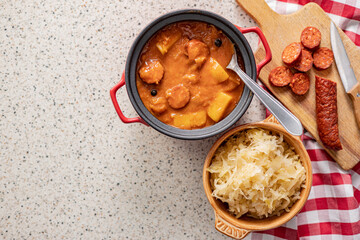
<point>355,97</point>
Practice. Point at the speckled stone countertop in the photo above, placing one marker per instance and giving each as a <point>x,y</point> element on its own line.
<point>69,169</point>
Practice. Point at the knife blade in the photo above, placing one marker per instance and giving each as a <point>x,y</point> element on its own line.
<point>346,72</point>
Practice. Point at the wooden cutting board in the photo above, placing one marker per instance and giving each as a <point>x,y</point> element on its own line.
<point>281,30</point>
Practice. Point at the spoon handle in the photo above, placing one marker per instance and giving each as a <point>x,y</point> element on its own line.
<point>283,115</point>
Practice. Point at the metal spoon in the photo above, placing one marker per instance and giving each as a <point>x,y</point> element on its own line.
<point>284,116</point>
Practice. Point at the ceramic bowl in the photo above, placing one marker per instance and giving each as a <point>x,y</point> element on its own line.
<point>238,228</point>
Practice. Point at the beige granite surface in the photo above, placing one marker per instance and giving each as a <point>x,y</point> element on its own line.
<point>69,169</point>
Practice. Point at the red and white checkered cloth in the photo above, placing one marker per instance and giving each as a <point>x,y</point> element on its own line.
<point>332,210</point>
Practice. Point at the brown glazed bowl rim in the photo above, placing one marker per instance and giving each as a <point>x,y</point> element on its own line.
<point>230,31</point>
<point>247,223</point>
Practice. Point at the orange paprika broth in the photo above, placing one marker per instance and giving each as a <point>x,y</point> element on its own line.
<point>182,77</point>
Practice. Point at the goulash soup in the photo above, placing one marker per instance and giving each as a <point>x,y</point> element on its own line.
<point>182,77</point>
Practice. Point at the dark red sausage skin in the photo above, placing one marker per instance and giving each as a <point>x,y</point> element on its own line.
<point>326,113</point>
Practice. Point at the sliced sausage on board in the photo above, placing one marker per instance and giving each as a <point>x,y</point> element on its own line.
<point>323,58</point>
<point>305,62</point>
<point>280,76</point>
<point>291,53</point>
<point>326,113</point>
<point>300,83</point>
<point>310,38</point>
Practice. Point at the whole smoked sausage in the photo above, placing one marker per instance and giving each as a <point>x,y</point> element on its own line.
<point>326,113</point>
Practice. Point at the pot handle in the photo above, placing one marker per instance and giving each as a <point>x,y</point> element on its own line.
<point>117,107</point>
<point>228,229</point>
<point>268,55</point>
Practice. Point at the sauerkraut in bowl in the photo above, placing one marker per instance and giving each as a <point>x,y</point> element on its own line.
<point>257,174</point>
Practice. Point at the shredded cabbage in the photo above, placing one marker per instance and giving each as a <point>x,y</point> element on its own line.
<point>257,173</point>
